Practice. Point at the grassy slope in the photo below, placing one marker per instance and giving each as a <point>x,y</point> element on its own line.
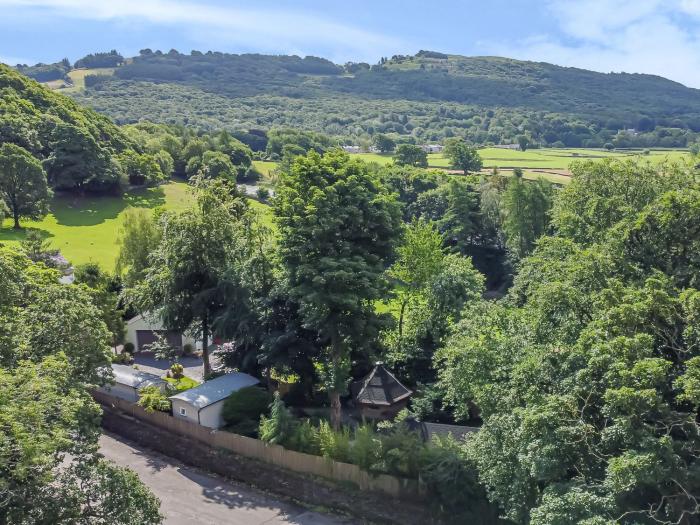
<point>86,229</point>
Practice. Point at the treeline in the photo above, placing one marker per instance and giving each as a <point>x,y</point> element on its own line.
<point>417,98</point>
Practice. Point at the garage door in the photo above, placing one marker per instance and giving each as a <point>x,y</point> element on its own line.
<point>147,337</point>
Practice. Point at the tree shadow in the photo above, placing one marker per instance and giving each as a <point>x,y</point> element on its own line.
<point>8,233</point>
<point>76,210</point>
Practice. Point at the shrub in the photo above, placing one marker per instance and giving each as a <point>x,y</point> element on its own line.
<point>263,194</point>
<point>280,426</point>
<point>129,347</point>
<point>452,482</point>
<point>176,370</point>
<point>187,349</point>
<point>242,410</point>
<point>305,438</point>
<point>365,449</point>
<point>152,398</point>
<point>124,358</point>
<point>332,444</point>
<point>609,146</point>
<point>400,449</point>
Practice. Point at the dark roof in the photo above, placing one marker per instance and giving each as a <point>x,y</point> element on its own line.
<point>380,387</point>
<point>428,430</point>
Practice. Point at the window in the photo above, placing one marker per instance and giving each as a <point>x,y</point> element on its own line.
<point>183,411</point>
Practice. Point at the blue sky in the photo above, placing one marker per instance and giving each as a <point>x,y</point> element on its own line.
<point>641,36</point>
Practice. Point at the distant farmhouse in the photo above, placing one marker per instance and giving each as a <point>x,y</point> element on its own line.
<point>352,149</point>
<point>432,148</point>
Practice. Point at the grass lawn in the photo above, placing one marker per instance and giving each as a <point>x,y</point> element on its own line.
<point>78,76</point>
<point>86,229</point>
<point>182,384</point>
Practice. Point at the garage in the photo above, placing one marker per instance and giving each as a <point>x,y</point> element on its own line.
<point>147,337</point>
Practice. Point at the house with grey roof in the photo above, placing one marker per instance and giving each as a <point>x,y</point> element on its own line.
<point>128,381</point>
<point>380,395</point>
<point>203,404</point>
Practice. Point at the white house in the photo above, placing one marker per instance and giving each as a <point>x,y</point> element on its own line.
<point>203,404</point>
<point>128,381</point>
<point>432,148</point>
<point>143,330</point>
<point>352,149</point>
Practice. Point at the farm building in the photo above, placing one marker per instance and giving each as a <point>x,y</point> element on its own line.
<point>143,330</point>
<point>128,381</point>
<point>432,148</point>
<point>203,404</point>
<point>380,395</point>
<point>352,149</point>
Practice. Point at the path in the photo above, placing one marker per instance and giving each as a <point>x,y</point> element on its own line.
<point>189,496</point>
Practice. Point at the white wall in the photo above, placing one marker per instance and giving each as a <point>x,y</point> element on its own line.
<point>211,416</point>
<point>191,411</point>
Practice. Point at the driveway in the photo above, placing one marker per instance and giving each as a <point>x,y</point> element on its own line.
<point>193,368</point>
<point>189,496</point>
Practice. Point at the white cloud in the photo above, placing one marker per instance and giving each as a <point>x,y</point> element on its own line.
<point>635,36</point>
<point>265,29</point>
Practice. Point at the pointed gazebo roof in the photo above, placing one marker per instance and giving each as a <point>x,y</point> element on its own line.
<point>379,387</point>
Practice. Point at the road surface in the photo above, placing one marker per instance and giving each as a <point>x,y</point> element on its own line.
<point>189,496</point>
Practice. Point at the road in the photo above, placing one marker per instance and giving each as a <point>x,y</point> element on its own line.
<point>189,496</point>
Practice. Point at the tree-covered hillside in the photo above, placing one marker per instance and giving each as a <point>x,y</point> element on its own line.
<point>426,97</point>
<point>76,145</point>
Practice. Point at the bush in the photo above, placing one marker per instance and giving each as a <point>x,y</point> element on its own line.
<point>124,358</point>
<point>187,349</point>
<point>304,439</point>
<point>263,194</point>
<point>152,398</point>
<point>176,371</point>
<point>452,482</point>
<point>332,444</point>
<point>243,409</point>
<point>365,449</point>
<point>129,347</point>
<point>280,426</point>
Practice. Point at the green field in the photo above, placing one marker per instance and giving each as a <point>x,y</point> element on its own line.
<point>85,229</point>
<point>549,158</point>
<point>77,76</point>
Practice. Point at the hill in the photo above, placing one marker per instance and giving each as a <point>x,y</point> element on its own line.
<point>76,144</point>
<point>426,97</point>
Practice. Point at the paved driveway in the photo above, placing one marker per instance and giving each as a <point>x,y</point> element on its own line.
<point>192,365</point>
<point>189,496</point>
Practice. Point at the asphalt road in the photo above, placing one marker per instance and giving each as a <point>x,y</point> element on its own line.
<point>189,496</point>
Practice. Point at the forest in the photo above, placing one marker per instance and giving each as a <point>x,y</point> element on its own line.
<point>423,98</point>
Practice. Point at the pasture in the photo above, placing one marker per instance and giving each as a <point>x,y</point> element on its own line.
<point>85,229</point>
<point>555,159</point>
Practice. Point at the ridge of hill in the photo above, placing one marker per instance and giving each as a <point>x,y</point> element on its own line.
<point>426,97</point>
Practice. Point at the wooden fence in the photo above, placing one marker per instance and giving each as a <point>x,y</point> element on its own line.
<point>408,489</point>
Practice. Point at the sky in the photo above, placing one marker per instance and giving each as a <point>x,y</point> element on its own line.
<point>660,37</point>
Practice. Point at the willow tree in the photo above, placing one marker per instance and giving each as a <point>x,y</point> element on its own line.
<point>337,225</point>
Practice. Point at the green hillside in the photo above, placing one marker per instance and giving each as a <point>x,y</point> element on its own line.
<point>422,98</point>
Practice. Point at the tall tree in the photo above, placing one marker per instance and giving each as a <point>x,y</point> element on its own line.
<point>526,208</point>
<point>184,281</point>
<point>463,156</point>
<point>23,186</point>
<point>410,155</point>
<point>138,237</point>
<point>336,227</point>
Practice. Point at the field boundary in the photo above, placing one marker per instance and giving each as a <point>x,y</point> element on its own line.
<point>405,489</point>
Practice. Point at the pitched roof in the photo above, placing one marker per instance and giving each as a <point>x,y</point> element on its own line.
<point>215,390</point>
<point>380,387</point>
<point>126,375</point>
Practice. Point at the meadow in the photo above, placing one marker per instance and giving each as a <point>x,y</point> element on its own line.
<point>557,159</point>
<point>85,229</point>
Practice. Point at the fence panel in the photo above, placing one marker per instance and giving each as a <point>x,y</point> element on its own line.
<point>409,489</point>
